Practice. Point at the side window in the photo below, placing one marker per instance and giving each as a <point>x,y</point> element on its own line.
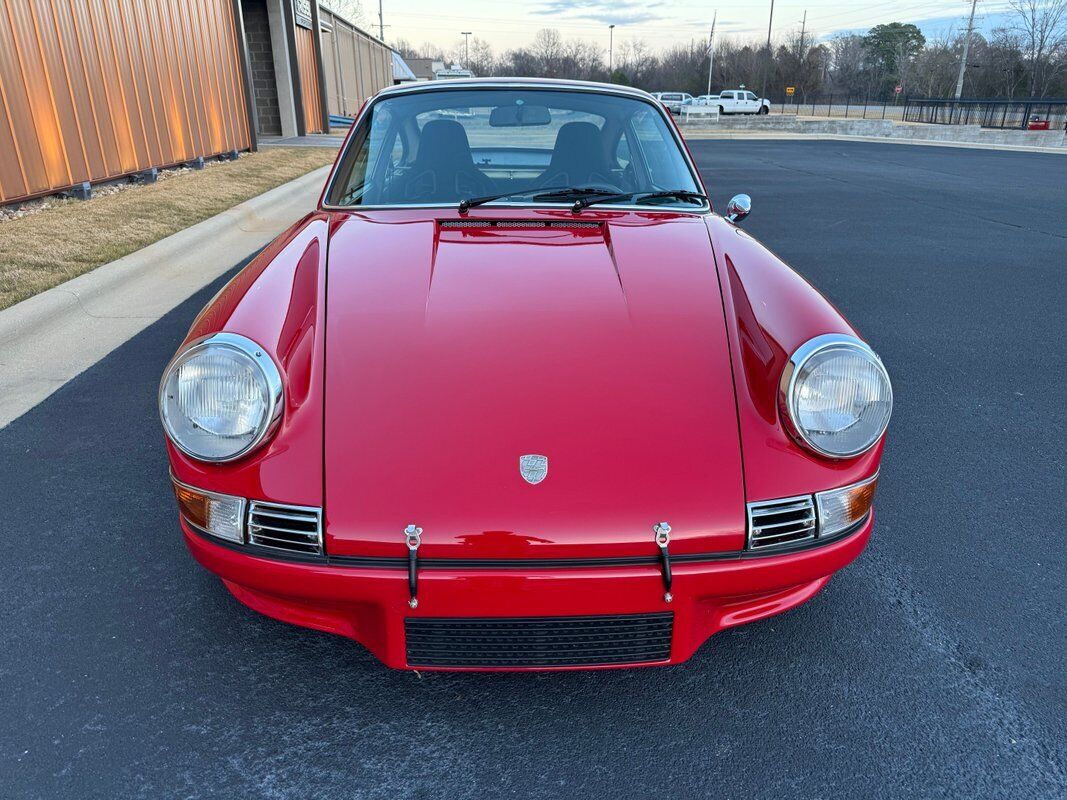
<point>750,96</point>
<point>359,179</point>
<point>657,150</point>
<point>381,122</point>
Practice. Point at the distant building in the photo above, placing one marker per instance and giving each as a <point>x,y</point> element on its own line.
<point>424,68</point>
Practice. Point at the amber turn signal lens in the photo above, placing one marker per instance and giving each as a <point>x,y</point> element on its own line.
<point>217,514</point>
<point>840,509</point>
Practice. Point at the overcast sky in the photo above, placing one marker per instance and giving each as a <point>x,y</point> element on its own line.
<point>510,23</point>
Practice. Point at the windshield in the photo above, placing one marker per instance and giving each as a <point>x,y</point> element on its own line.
<point>441,147</point>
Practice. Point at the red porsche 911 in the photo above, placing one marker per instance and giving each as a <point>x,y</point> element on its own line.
<point>515,397</point>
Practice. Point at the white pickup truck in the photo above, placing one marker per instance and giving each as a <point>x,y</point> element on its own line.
<point>741,101</point>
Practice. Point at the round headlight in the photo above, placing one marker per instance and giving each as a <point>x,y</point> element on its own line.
<point>220,397</point>
<point>837,395</point>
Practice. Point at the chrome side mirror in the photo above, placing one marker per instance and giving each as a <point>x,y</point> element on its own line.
<point>739,207</point>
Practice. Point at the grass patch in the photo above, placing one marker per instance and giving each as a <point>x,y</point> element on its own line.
<point>67,238</point>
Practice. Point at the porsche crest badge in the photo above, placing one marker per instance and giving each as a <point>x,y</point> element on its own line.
<point>533,468</point>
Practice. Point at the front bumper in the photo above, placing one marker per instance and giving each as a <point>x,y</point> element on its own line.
<point>370,604</point>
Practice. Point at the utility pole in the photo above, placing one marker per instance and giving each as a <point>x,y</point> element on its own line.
<point>803,28</point>
<point>381,22</point>
<point>611,52</point>
<point>466,49</point>
<point>966,50</point>
<point>711,48</point>
<point>767,60</point>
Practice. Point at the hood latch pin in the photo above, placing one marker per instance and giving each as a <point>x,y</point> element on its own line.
<point>663,538</point>
<point>413,538</point>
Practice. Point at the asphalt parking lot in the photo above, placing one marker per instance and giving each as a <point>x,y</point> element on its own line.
<point>933,667</point>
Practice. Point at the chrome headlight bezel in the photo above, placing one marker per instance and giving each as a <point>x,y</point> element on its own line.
<point>787,390</point>
<point>268,372</point>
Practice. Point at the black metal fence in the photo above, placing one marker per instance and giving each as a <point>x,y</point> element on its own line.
<point>841,105</point>
<point>1019,114</point>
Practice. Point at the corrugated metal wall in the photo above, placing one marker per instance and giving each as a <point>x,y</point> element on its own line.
<point>95,89</point>
<point>308,66</point>
<point>357,65</point>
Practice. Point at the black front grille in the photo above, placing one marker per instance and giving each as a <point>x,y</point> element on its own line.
<point>538,641</point>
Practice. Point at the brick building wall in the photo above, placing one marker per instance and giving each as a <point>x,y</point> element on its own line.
<point>261,56</point>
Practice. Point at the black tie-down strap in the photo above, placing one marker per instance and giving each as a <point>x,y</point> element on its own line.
<point>663,539</point>
<point>413,538</point>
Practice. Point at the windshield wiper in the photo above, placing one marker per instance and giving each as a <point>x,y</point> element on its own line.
<point>541,193</point>
<point>639,197</point>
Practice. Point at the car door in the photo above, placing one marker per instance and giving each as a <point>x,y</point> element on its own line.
<point>751,103</point>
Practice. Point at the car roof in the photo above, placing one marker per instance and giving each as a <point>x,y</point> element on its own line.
<point>512,83</point>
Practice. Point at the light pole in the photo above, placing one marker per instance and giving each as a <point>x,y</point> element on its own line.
<point>611,54</point>
<point>466,49</point>
<point>381,22</point>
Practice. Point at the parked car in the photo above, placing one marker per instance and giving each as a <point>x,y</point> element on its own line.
<point>742,101</point>
<point>673,101</point>
<point>706,100</point>
<point>554,415</point>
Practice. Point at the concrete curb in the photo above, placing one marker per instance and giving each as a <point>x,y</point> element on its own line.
<point>840,137</point>
<point>52,337</point>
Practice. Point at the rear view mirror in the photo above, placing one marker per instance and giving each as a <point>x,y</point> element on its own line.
<point>519,116</point>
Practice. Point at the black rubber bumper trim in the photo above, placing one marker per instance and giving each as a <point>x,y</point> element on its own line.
<point>401,562</point>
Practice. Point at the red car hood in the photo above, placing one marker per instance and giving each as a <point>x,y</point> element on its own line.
<point>453,351</point>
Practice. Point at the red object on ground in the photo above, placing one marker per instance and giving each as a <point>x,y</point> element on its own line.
<point>1038,125</point>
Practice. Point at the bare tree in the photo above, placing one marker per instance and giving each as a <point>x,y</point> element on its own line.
<point>352,10</point>
<point>425,50</point>
<point>850,68</point>
<point>1030,55</point>
<point>482,61</point>
<point>1006,72</point>
<point>1043,27</point>
<point>635,61</point>
<point>936,67</point>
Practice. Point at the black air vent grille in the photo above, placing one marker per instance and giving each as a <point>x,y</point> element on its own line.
<point>778,523</point>
<point>297,529</point>
<point>539,641</point>
<point>535,224</point>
